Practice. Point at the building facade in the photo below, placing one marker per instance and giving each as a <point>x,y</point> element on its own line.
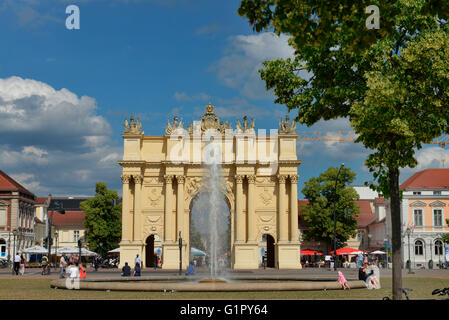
<point>163,175</point>
<point>16,216</point>
<point>424,210</point>
<point>67,228</point>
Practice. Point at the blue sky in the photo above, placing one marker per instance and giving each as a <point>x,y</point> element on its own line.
<point>64,94</point>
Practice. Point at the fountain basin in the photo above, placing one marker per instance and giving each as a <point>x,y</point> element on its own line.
<point>239,284</point>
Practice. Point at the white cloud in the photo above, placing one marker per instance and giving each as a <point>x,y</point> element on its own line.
<point>239,67</point>
<point>54,140</point>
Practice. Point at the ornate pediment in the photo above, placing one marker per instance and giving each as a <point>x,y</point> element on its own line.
<point>437,204</point>
<point>417,204</point>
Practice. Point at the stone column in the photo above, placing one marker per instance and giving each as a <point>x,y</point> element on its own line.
<point>180,207</point>
<point>251,211</point>
<point>126,221</point>
<point>294,233</point>
<point>137,207</point>
<point>283,218</point>
<point>168,208</point>
<point>240,218</point>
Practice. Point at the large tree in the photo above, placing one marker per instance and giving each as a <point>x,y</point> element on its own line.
<point>324,192</point>
<point>103,219</point>
<point>390,82</point>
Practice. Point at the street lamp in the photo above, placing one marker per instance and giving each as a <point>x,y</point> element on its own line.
<point>15,232</point>
<point>59,209</point>
<point>335,218</point>
<point>408,232</point>
<point>56,249</point>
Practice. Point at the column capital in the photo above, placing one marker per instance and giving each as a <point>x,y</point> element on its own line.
<point>239,178</point>
<point>294,178</point>
<point>125,178</point>
<point>251,178</point>
<point>138,178</point>
<point>282,178</point>
<point>180,179</point>
<point>168,178</point>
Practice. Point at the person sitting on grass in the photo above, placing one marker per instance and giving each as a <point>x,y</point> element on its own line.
<point>126,270</point>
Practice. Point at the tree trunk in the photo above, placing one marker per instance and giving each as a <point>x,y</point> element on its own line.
<point>395,205</point>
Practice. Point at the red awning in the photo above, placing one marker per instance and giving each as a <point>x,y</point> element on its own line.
<point>308,252</point>
<point>343,251</point>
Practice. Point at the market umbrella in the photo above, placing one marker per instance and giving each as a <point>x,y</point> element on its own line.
<point>68,250</point>
<point>378,252</point>
<point>116,250</point>
<point>35,250</point>
<point>197,252</point>
<point>343,251</point>
<point>87,253</point>
<point>308,252</point>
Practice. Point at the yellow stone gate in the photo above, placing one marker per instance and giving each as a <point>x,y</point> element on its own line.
<point>161,175</point>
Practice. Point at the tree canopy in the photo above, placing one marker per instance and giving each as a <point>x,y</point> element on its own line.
<point>318,215</point>
<point>103,219</point>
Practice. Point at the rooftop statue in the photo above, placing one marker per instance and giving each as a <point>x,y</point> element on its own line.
<point>175,127</point>
<point>245,126</point>
<point>133,127</point>
<point>286,127</point>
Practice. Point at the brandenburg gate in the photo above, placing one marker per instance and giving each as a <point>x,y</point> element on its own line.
<point>162,175</point>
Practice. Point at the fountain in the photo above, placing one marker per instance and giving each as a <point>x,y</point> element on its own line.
<point>210,212</point>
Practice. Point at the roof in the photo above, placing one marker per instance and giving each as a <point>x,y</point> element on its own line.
<point>429,179</point>
<point>9,184</point>
<point>69,219</point>
<point>366,215</point>
<point>41,200</point>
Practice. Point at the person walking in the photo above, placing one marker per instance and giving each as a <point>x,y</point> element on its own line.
<point>17,264</point>
<point>62,266</point>
<point>22,265</point>
<point>137,260</point>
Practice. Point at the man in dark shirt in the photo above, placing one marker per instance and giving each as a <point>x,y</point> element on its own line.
<point>126,270</point>
<point>362,272</point>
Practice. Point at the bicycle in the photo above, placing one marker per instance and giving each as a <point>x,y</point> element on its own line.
<point>404,291</point>
<point>441,292</point>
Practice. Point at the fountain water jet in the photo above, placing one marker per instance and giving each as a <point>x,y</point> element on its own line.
<point>210,211</point>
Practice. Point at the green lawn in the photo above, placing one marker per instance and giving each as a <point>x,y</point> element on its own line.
<point>40,289</point>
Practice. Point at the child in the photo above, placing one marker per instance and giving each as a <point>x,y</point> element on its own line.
<point>83,271</point>
<point>342,280</point>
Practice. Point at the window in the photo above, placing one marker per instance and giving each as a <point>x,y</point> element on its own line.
<point>438,247</point>
<point>419,248</point>
<point>76,236</point>
<point>437,193</point>
<point>416,193</point>
<point>437,218</point>
<point>2,217</point>
<point>418,217</point>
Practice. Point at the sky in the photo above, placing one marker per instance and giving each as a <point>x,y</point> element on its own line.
<point>64,94</point>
